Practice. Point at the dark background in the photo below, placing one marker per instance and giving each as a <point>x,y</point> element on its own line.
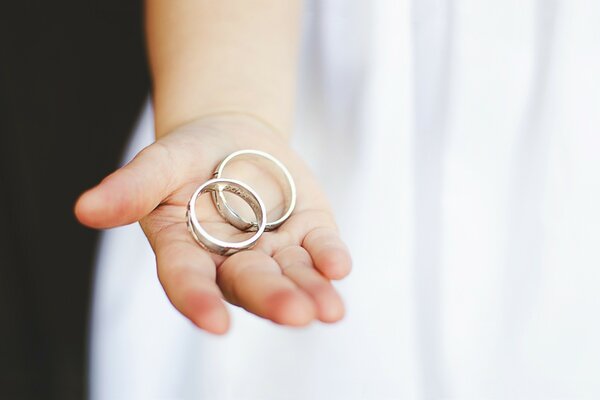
<point>73,78</point>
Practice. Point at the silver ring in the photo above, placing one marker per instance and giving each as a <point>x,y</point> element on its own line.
<point>240,189</point>
<point>233,217</point>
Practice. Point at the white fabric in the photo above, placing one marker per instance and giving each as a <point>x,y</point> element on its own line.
<point>459,141</point>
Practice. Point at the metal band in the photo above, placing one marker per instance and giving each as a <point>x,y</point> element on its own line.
<point>234,218</point>
<point>240,189</point>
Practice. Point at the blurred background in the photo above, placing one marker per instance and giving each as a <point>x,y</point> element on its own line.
<point>458,142</point>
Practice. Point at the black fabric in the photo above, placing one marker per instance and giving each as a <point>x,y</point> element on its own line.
<point>73,78</point>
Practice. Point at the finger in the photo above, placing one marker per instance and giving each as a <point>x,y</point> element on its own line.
<point>329,254</point>
<point>254,281</point>
<point>131,192</point>
<point>187,274</point>
<point>297,265</point>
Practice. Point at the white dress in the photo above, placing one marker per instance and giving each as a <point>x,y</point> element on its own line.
<point>459,141</point>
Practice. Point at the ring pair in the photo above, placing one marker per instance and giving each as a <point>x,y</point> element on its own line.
<point>218,186</point>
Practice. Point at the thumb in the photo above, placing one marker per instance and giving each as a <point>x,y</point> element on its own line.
<point>131,192</point>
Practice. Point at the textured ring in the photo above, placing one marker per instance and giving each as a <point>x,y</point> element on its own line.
<point>240,189</point>
<point>233,217</point>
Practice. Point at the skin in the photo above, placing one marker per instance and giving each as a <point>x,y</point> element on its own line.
<point>212,96</point>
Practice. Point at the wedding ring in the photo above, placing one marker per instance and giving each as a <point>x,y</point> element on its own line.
<point>240,189</point>
<point>233,217</point>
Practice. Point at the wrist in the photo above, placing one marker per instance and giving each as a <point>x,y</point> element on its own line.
<point>234,119</point>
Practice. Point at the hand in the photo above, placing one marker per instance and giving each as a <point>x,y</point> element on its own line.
<point>284,278</point>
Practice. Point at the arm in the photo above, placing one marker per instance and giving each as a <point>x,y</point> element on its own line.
<point>223,74</point>
<point>227,55</point>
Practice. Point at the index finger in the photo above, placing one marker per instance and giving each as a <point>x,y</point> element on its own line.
<point>187,274</point>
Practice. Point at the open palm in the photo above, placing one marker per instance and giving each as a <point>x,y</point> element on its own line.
<point>285,277</point>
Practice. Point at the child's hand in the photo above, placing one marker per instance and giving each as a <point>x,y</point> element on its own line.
<point>284,278</point>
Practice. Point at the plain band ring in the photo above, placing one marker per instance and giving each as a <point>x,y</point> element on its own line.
<point>233,217</point>
<point>240,189</point>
